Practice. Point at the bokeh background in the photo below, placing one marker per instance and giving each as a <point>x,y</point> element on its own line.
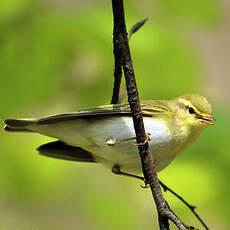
<point>56,56</point>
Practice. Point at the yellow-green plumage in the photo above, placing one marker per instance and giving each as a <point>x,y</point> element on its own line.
<point>107,132</point>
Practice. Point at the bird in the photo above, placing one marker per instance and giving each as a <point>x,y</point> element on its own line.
<point>105,134</point>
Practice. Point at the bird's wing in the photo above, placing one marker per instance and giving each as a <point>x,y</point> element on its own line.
<point>149,108</point>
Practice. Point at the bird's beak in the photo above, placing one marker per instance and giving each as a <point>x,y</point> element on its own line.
<point>207,119</point>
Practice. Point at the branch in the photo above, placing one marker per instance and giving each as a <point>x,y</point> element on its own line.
<point>120,39</point>
<point>116,97</point>
<point>191,207</point>
<point>117,66</point>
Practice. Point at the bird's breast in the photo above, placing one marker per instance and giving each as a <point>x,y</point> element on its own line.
<point>113,141</point>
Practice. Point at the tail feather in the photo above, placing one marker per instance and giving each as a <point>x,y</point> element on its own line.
<point>19,125</point>
<point>60,150</point>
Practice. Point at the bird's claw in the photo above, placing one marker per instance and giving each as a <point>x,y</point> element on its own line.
<point>146,140</point>
<point>147,185</point>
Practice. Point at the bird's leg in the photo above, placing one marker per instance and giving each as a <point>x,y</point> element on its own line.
<point>116,169</point>
<point>112,142</point>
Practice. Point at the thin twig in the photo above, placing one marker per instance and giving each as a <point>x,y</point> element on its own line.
<point>120,33</point>
<point>116,169</point>
<point>191,207</point>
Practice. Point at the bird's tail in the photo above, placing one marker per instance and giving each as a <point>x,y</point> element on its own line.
<point>19,125</point>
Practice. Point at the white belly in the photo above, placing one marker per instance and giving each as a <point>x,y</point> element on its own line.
<point>92,136</point>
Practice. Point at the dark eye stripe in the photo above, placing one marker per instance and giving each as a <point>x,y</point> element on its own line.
<point>186,107</point>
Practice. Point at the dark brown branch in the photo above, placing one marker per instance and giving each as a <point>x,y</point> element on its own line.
<point>117,64</point>
<point>117,97</point>
<point>191,207</point>
<point>117,71</point>
<point>117,59</point>
<point>120,38</point>
<point>116,169</point>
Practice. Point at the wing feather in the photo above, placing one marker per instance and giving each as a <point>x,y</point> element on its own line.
<point>149,109</point>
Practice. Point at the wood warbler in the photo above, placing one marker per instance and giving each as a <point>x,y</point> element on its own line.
<point>105,134</point>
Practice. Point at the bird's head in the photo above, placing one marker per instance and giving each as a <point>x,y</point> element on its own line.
<point>193,111</point>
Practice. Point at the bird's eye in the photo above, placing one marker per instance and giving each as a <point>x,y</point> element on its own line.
<point>191,110</point>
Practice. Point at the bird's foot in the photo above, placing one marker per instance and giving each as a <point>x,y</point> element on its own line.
<point>146,140</point>
<point>147,185</point>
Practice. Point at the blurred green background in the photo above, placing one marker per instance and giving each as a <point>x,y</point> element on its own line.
<point>56,56</point>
